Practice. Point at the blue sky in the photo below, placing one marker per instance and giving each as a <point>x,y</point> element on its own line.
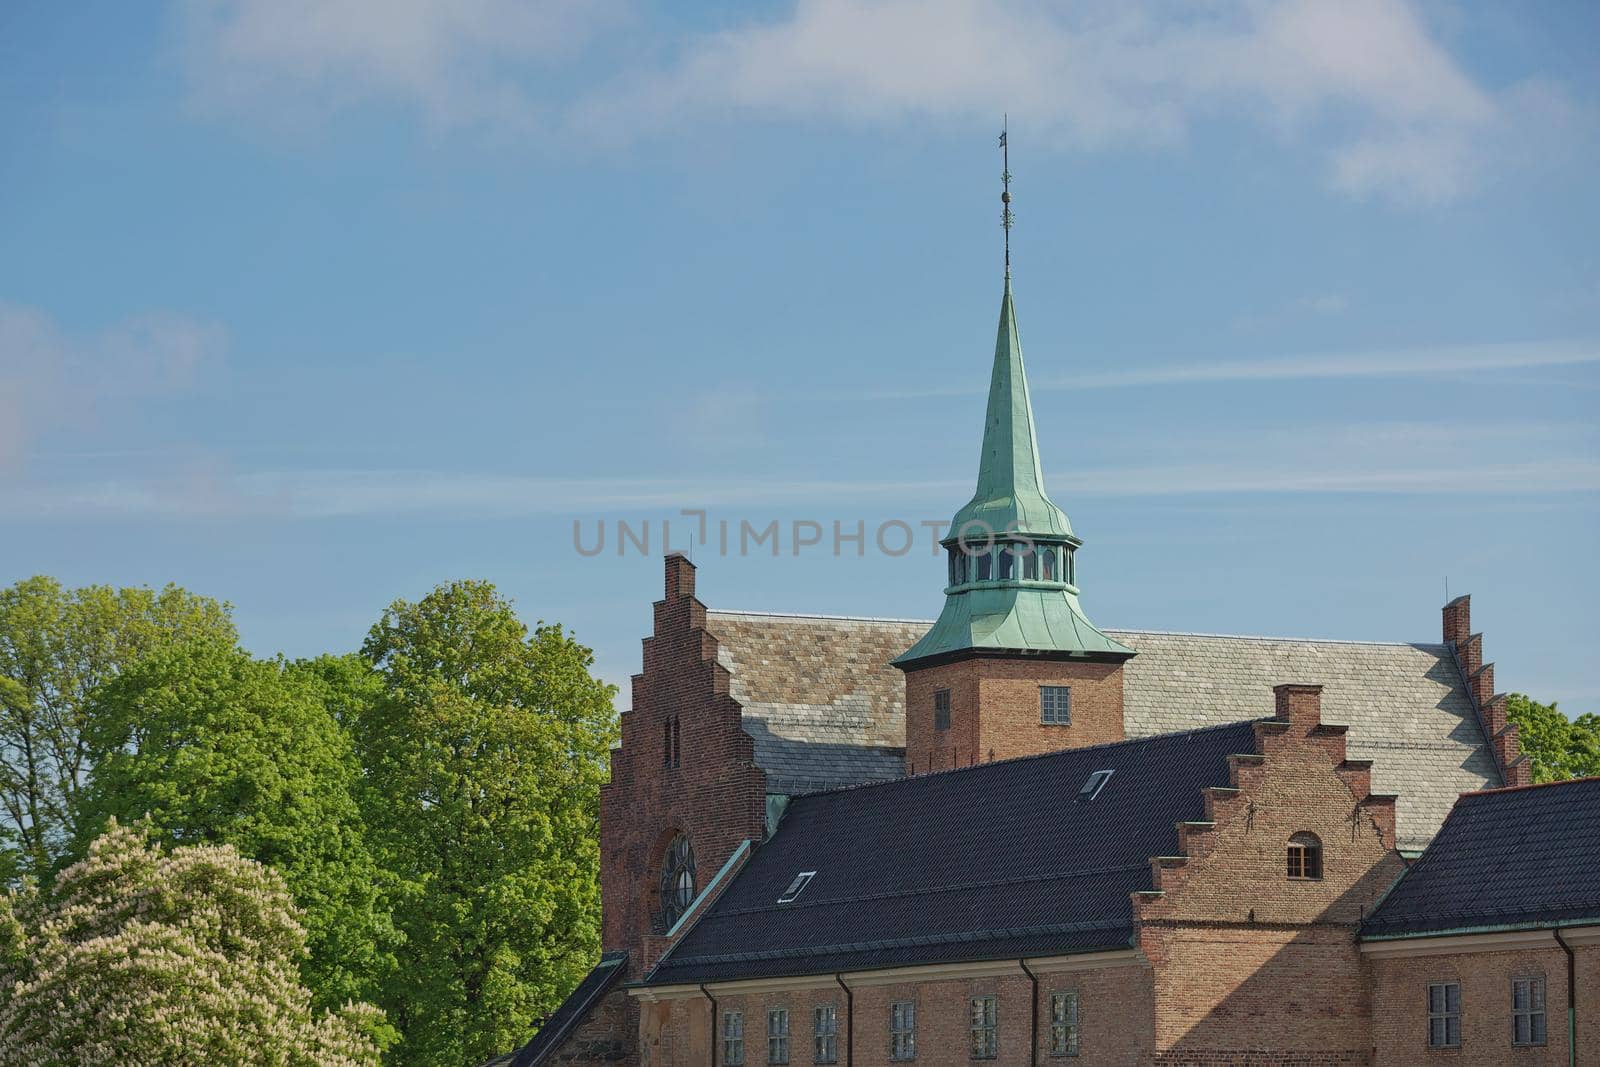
<point>310,306</point>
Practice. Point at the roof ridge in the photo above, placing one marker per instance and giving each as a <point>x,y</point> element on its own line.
<point>1054,753</point>
<point>1532,785</point>
<point>1108,629</point>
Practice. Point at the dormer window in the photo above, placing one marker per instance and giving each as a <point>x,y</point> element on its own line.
<point>797,887</point>
<point>1092,786</point>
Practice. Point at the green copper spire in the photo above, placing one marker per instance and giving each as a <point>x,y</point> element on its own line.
<point>1010,494</point>
<point>1012,571</point>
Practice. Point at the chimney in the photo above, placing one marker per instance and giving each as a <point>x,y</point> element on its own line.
<point>1300,705</point>
<point>1458,620</point>
<point>680,576</point>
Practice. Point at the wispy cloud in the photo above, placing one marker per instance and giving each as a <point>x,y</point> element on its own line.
<point>1413,458</point>
<point>52,380</point>
<point>1366,82</point>
<point>1440,361</point>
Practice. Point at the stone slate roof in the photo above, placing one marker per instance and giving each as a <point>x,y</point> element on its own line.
<point>820,700</point>
<point>1504,857</point>
<point>572,1011</point>
<point>827,709</point>
<point>1406,707</point>
<point>993,861</point>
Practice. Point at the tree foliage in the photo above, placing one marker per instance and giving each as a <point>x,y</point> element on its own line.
<point>186,958</point>
<point>212,746</point>
<point>56,646</point>
<point>1559,747</point>
<point>484,751</point>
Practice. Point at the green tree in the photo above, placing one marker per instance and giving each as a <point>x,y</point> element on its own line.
<point>484,753</point>
<point>56,646</point>
<point>213,746</point>
<point>1559,747</point>
<point>185,958</point>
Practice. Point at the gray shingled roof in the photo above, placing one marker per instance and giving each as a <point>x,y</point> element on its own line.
<point>825,707</point>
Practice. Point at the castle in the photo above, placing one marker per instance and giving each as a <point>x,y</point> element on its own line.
<point>1013,836</point>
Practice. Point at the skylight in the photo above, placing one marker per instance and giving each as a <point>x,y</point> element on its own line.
<point>1091,788</point>
<point>797,886</point>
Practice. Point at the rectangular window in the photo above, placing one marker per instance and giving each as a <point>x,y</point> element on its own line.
<point>985,1028</point>
<point>903,1030</point>
<point>826,1032</point>
<point>1063,1024</point>
<point>733,1038</point>
<point>941,709</point>
<point>1527,1011</point>
<point>778,1035</point>
<point>1444,1015</point>
<point>1055,705</point>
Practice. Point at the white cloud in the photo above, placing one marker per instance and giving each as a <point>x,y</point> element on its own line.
<point>456,63</point>
<point>52,381</point>
<point>1438,361</point>
<point>1364,81</point>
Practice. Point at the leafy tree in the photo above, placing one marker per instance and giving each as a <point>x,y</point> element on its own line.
<point>1559,747</point>
<point>484,753</point>
<point>185,958</point>
<point>56,645</point>
<point>211,745</point>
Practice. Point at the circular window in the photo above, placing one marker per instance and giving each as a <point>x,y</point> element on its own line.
<point>677,881</point>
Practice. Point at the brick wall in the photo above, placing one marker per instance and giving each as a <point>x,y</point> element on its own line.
<point>1400,989</point>
<point>606,1035</point>
<point>1114,1014</point>
<point>716,795</point>
<point>994,709</point>
<point>1250,965</point>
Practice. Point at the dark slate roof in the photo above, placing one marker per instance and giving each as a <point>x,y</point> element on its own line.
<point>559,1025</point>
<point>1504,857</point>
<point>988,862</point>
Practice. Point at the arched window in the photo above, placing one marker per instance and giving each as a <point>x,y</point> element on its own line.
<point>1047,563</point>
<point>1305,856</point>
<point>677,881</point>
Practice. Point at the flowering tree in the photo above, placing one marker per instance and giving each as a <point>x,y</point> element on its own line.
<point>142,957</point>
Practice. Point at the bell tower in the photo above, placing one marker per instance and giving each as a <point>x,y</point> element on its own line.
<point>1013,666</point>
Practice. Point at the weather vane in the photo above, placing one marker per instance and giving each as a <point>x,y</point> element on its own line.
<point>1005,195</point>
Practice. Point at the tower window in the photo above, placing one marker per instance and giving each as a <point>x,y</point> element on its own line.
<point>1055,705</point>
<point>1030,562</point>
<point>1007,560</point>
<point>985,1028</point>
<point>671,752</point>
<point>985,566</point>
<point>1047,563</point>
<point>1305,856</point>
<point>941,709</point>
<point>677,881</point>
<point>954,566</point>
<point>1070,568</point>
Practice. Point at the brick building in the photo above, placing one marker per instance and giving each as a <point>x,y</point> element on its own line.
<point>1012,835</point>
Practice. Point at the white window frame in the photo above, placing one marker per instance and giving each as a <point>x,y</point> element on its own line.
<point>903,1031</point>
<point>1055,705</point>
<point>825,1033</point>
<point>1533,1009</point>
<point>1064,1006</point>
<point>733,1038</point>
<point>1441,1033</point>
<point>778,1035</point>
<point>985,1027</point>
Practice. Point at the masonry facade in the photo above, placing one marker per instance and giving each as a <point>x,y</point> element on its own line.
<point>1010,836</point>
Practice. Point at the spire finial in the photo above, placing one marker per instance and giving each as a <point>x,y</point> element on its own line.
<point>1005,195</point>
